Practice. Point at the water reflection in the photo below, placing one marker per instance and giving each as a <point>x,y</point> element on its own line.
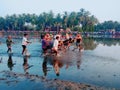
<point>26,66</point>
<point>44,66</point>
<point>66,60</point>
<point>54,61</point>
<point>92,43</point>
<point>100,66</point>
<point>78,62</point>
<point>72,58</point>
<point>57,64</point>
<point>89,44</point>
<point>107,41</point>
<point>10,62</point>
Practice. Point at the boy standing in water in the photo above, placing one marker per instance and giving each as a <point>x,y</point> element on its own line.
<point>44,45</point>
<point>55,45</point>
<point>9,43</point>
<point>24,44</point>
<point>78,42</point>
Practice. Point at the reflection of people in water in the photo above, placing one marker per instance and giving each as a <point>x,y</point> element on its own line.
<point>44,66</point>
<point>57,65</point>
<point>52,60</point>
<point>10,62</point>
<point>78,62</point>
<point>25,64</point>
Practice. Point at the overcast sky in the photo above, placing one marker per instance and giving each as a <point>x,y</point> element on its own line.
<point>104,10</point>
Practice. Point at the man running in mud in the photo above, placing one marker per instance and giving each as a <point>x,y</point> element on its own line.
<point>24,44</point>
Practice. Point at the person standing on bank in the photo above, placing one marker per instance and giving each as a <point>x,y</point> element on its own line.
<point>24,44</point>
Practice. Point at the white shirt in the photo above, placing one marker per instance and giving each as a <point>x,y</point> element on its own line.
<point>24,41</point>
<point>67,36</point>
<point>57,36</point>
<point>55,44</point>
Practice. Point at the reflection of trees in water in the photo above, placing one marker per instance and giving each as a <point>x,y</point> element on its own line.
<point>107,41</point>
<point>89,44</point>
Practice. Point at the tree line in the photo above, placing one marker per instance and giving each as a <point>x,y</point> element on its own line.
<point>108,25</point>
<point>77,21</point>
<point>81,20</point>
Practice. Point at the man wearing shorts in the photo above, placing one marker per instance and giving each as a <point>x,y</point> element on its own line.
<point>24,43</point>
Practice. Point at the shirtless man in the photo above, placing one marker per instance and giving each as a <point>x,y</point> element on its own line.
<point>78,39</point>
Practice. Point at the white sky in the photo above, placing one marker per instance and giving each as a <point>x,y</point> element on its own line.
<point>104,10</point>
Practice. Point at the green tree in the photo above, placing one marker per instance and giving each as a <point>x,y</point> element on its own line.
<point>2,23</point>
<point>71,20</point>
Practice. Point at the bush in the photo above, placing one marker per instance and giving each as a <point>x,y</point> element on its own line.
<point>79,29</point>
